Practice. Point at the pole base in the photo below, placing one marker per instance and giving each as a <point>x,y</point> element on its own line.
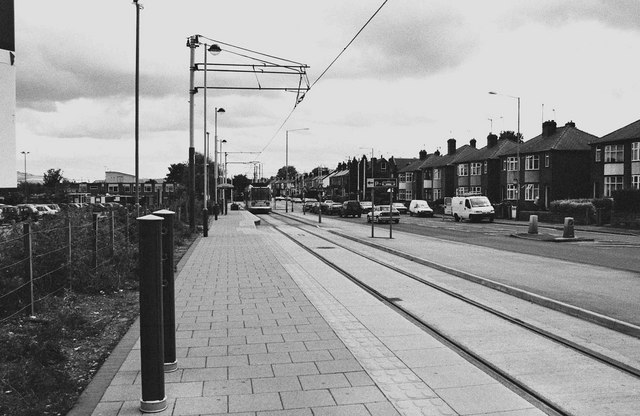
<point>171,367</point>
<point>153,406</point>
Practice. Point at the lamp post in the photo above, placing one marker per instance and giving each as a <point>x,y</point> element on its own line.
<point>517,140</point>
<point>224,202</point>
<point>137,108</point>
<point>215,160</point>
<point>26,188</point>
<point>286,171</point>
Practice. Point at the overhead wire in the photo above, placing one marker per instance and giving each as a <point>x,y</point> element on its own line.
<point>321,75</point>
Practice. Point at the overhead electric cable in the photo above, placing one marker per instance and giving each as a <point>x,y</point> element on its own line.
<point>321,75</point>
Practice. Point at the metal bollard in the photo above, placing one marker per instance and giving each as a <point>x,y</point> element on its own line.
<point>533,224</point>
<point>568,228</point>
<point>168,291</point>
<point>216,208</point>
<point>205,222</point>
<point>151,330</point>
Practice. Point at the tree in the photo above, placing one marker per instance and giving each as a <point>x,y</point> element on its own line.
<point>52,178</point>
<point>177,173</point>
<point>511,135</point>
<point>240,183</point>
<point>282,172</point>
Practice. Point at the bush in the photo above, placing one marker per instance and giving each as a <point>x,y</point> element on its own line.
<point>627,200</point>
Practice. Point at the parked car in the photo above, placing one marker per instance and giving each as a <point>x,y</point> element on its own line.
<point>420,208</point>
<point>54,207</point>
<point>296,200</point>
<point>326,206</point>
<point>382,213</point>
<point>44,210</point>
<point>28,211</point>
<point>472,208</point>
<point>402,209</point>
<point>9,214</point>
<point>335,208</point>
<point>351,208</point>
<point>366,206</point>
<point>307,205</point>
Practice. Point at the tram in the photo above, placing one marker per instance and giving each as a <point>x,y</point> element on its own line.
<point>258,198</point>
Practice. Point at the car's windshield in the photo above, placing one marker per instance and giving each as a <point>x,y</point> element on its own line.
<point>479,202</point>
<point>422,205</point>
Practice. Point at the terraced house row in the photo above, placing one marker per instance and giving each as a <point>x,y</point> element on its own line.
<point>562,162</point>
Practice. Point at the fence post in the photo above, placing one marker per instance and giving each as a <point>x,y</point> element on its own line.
<point>68,224</point>
<point>95,240</point>
<point>151,330</point>
<point>26,232</point>
<point>168,290</point>
<point>113,234</point>
<point>126,219</point>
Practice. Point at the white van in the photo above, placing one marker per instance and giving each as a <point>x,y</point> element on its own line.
<point>420,208</point>
<point>472,208</point>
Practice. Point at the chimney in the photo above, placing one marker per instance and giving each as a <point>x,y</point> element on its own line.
<point>570,124</point>
<point>492,140</point>
<point>472,143</point>
<point>436,153</point>
<point>451,146</point>
<point>548,128</point>
<point>423,154</point>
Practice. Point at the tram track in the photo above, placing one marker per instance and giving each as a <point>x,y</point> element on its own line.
<point>513,382</point>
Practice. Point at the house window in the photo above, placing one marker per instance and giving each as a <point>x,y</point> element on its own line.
<point>93,187</point>
<point>408,195</point>
<point>158,187</point>
<point>475,190</point>
<point>126,188</point>
<point>437,194</point>
<point>512,191</point>
<point>476,169</point>
<point>512,163</point>
<point>614,153</point>
<point>461,190</point>
<point>635,151</point>
<point>635,181</point>
<point>168,187</point>
<point>83,187</point>
<point>486,167</point>
<point>402,177</point>
<point>436,174</point>
<point>113,188</point>
<point>504,164</point>
<point>611,184</point>
<point>402,195</point>
<point>532,162</point>
<point>409,176</point>
<point>383,166</point>
<point>547,160</point>
<point>598,154</point>
<point>531,192</point>
<point>463,169</point>
<point>148,188</point>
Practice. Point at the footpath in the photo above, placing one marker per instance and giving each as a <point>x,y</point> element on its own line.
<point>264,329</point>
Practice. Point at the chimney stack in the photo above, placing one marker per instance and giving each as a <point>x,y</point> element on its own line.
<point>492,140</point>
<point>548,128</point>
<point>570,124</point>
<point>423,154</point>
<point>451,146</point>
<point>472,143</point>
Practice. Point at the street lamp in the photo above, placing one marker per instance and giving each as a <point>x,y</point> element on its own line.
<point>215,160</point>
<point>517,140</point>
<point>26,189</point>
<point>286,171</point>
<point>224,202</point>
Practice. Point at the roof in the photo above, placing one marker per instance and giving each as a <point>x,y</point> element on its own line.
<point>563,138</point>
<point>446,160</point>
<point>402,162</point>
<point>630,131</point>
<point>502,146</point>
<point>413,166</point>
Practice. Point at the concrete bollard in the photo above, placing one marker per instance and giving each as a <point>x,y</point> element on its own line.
<point>533,224</point>
<point>568,228</point>
<point>168,291</point>
<point>151,327</point>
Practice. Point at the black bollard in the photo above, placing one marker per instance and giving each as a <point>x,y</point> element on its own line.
<point>216,208</point>
<point>205,222</point>
<point>168,291</point>
<point>151,327</point>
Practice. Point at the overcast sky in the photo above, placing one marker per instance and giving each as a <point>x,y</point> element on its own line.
<point>417,75</point>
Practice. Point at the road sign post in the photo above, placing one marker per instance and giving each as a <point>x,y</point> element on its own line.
<point>382,183</point>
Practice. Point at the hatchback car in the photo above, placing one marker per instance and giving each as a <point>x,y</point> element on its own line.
<point>351,208</point>
<point>366,206</point>
<point>402,209</point>
<point>382,213</point>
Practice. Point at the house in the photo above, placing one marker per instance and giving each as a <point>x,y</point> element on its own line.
<point>616,161</point>
<point>439,172</point>
<point>556,166</point>
<point>410,182</point>
<point>479,172</point>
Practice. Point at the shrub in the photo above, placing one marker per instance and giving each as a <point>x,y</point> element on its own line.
<point>627,200</point>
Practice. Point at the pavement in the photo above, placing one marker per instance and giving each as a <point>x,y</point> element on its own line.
<point>265,329</point>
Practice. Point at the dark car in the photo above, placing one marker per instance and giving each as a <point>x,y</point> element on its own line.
<point>28,211</point>
<point>9,214</point>
<point>351,208</point>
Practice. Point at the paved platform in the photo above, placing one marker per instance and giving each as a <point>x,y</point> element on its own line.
<point>263,328</point>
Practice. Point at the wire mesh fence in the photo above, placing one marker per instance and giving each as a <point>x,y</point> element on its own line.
<point>78,250</point>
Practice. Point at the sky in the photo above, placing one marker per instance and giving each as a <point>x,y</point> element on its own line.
<point>417,75</point>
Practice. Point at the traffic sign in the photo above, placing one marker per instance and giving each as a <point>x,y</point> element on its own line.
<point>382,183</point>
